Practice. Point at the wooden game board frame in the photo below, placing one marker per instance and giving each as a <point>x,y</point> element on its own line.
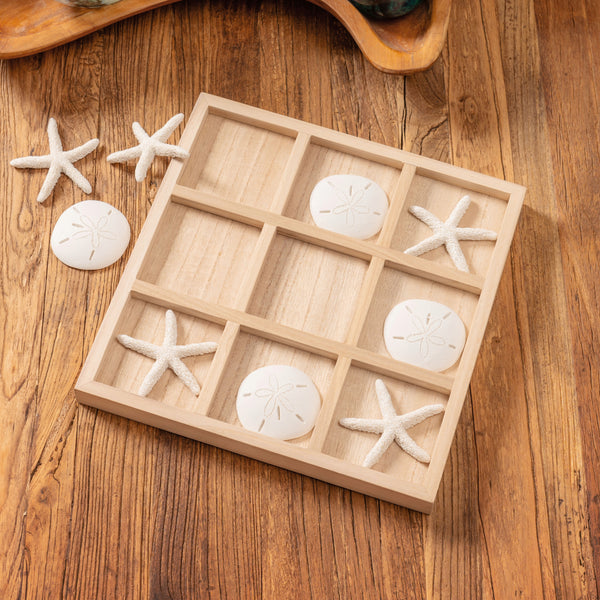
<point>309,460</point>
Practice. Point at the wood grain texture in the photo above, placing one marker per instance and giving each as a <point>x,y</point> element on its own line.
<point>94,506</point>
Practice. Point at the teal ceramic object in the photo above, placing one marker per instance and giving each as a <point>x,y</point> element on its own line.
<point>385,9</point>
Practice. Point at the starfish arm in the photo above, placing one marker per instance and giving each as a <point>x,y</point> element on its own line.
<point>144,163</point>
<point>196,349</point>
<point>53,137</point>
<point>424,215</point>
<point>411,447</point>
<point>124,155</point>
<point>431,243</point>
<point>168,128</point>
<point>185,375</point>
<point>32,162</point>
<point>474,233</point>
<point>152,377</point>
<point>456,254</point>
<point>459,211</point>
<point>385,400</point>
<point>375,454</point>
<point>76,177</point>
<point>145,348</point>
<point>170,338</point>
<point>81,151</point>
<point>162,149</point>
<point>417,416</point>
<point>139,132</point>
<point>51,178</point>
<point>366,425</point>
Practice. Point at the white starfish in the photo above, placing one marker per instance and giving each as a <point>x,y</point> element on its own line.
<point>57,162</point>
<point>167,356</point>
<point>448,233</point>
<point>392,427</point>
<point>150,146</point>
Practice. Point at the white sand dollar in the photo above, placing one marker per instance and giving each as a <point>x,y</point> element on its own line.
<point>279,401</point>
<point>90,235</point>
<point>349,204</point>
<point>424,333</point>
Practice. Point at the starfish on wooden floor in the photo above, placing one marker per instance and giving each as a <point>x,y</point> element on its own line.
<point>168,356</point>
<point>57,162</point>
<point>448,233</point>
<point>392,427</point>
<point>150,146</point>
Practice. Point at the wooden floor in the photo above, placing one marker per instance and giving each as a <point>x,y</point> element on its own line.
<point>94,506</point>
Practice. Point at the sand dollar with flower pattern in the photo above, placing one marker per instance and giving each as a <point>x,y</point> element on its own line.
<point>90,235</point>
<point>424,333</point>
<point>352,205</point>
<point>279,401</point>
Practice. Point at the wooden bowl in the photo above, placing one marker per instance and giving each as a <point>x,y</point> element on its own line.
<point>403,45</point>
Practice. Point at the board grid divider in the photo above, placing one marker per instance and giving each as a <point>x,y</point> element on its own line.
<point>305,232</point>
<point>367,292</point>
<point>289,336</point>
<point>197,422</point>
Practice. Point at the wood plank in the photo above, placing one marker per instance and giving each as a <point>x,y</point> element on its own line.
<point>572,142</point>
<point>23,281</point>
<point>480,138</point>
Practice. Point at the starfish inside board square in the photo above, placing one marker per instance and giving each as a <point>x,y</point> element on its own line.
<point>168,355</point>
<point>392,427</point>
<point>448,234</point>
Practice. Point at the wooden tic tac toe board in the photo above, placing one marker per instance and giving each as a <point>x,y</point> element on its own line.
<point>229,245</point>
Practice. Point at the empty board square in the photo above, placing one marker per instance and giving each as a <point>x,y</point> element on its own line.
<point>198,254</point>
<point>358,399</point>
<point>125,369</point>
<point>440,198</point>
<point>250,353</point>
<point>237,161</point>
<point>394,287</point>
<point>320,162</point>
<point>308,287</point>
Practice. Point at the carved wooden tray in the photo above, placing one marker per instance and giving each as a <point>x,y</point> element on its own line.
<point>230,246</point>
<point>411,43</point>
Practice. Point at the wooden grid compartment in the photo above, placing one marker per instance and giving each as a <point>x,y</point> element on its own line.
<point>395,286</point>
<point>327,307</point>
<point>230,247</point>
<point>252,352</point>
<point>358,398</point>
<point>439,198</point>
<point>125,370</point>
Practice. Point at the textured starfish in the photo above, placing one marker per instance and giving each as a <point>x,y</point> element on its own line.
<point>448,233</point>
<point>167,356</point>
<point>150,146</point>
<point>57,162</point>
<point>392,427</point>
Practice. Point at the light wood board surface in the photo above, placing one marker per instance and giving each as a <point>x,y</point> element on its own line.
<point>95,506</point>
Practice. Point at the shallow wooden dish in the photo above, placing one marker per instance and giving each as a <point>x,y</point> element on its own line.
<point>402,45</point>
<point>230,246</point>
